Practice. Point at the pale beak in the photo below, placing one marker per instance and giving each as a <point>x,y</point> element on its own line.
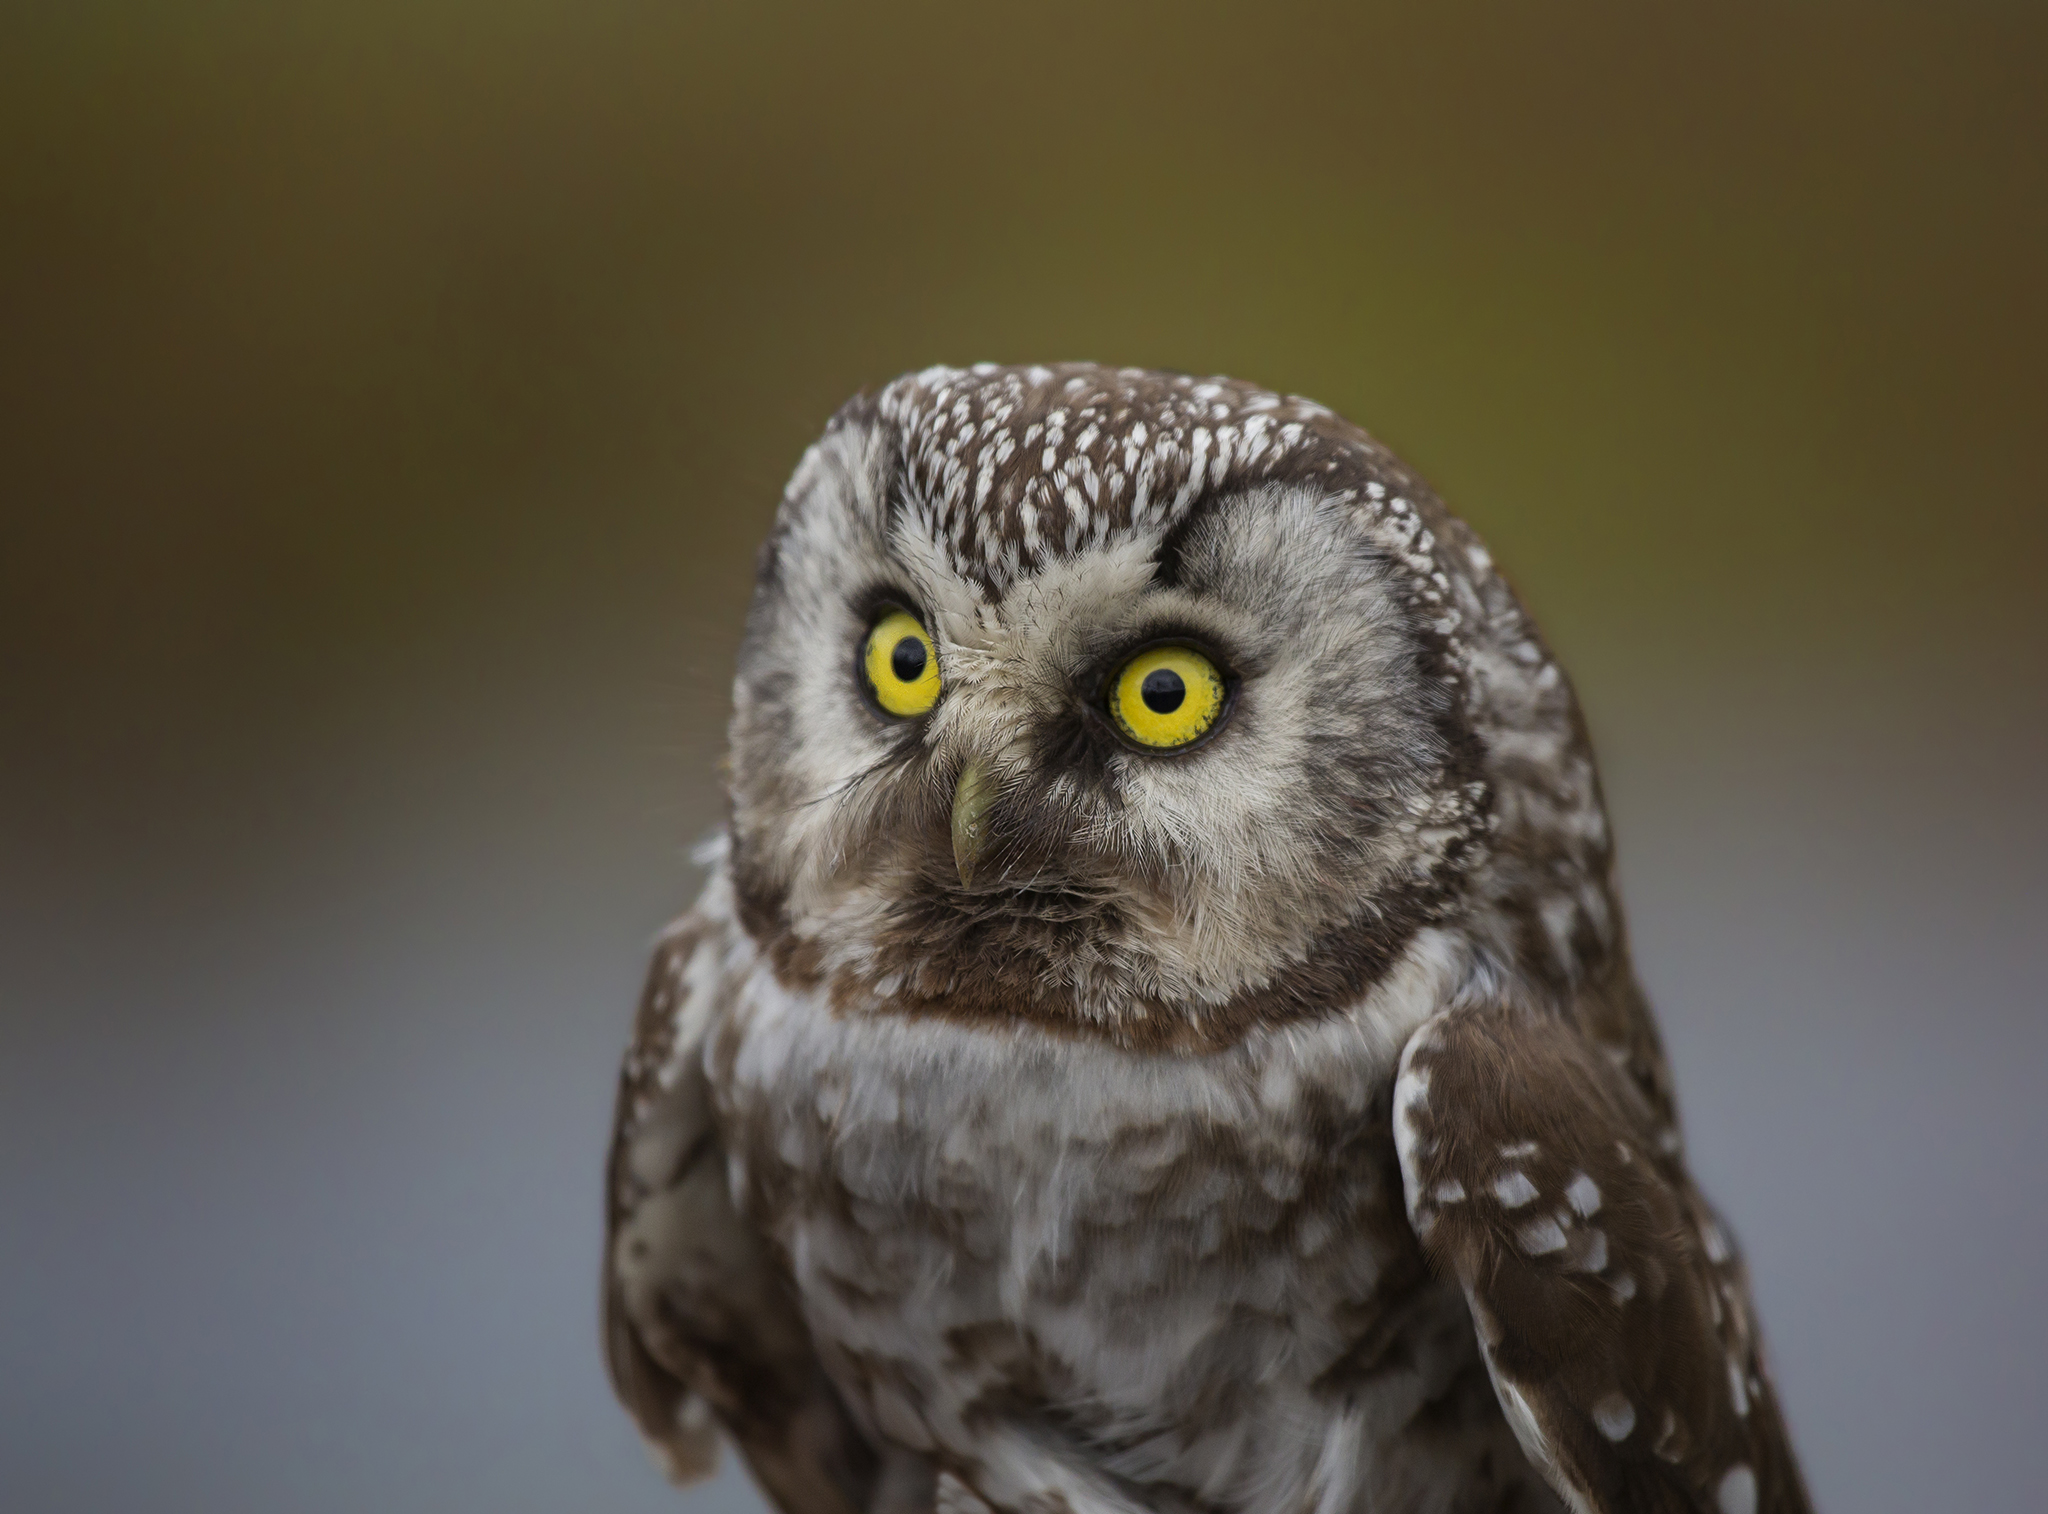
<point>973,797</point>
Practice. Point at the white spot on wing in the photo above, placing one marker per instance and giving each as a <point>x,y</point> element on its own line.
<point>1737,1493</point>
<point>1541,1237</point>
<point>1514,1189</point>
<point>1583,1194</point>
<point>1411,1097</point>
<point>1615,1416</point>
<point>1595,1258</point>
<point>1716,1242</point>
<point>1522,1420</point>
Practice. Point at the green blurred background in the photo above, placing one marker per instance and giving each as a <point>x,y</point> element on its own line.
<point>391,397</point>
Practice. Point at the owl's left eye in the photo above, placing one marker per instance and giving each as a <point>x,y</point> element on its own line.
<point>902,665</point>
<point>1167,697</point>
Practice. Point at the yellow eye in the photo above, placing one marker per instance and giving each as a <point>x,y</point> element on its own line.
<point>902,665</point>
<point>1166,697</point>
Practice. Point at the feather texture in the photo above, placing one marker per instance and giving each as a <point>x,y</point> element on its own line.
<point>1609,1298</point>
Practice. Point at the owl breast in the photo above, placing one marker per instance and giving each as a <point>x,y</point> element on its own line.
<point>1184,1275</point>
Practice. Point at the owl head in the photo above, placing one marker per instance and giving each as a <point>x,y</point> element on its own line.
<point>1146,707</point>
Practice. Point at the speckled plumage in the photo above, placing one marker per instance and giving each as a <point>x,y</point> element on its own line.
<point>1272,1125</point>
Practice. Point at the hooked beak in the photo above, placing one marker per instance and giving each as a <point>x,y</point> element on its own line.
<point>974,795</point>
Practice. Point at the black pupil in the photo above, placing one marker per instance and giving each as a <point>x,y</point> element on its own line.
<point>907,661</point>
<point>1163,691</point>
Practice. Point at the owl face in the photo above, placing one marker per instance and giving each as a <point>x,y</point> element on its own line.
<point>1093,697</point>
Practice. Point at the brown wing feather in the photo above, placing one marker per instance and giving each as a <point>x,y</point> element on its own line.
<point>701,1325</point>
<point>1614,1311</point>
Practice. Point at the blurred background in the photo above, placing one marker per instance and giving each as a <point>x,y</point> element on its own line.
<point>391,396</point>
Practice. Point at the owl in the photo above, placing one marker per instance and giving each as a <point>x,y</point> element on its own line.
<point>1158,1036</point>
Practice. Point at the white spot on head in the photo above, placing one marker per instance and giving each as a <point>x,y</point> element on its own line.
<point>1541,1237</point>
<point>1615,1416</point>
<point>1738,1393</point>
<point>1514,1189</point>
<point>1519,1150</point>
<point>1583,1194</point>
<point>1624,1287</point>
<point>1737,1493</point>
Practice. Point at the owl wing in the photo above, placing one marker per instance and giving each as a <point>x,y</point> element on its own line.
<point>1611,1307</point>
<point>701,1325</point>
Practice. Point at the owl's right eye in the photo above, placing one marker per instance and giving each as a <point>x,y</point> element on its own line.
<point>902,665</point>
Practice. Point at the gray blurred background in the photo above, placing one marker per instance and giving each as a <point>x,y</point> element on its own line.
<point>391,396</point>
